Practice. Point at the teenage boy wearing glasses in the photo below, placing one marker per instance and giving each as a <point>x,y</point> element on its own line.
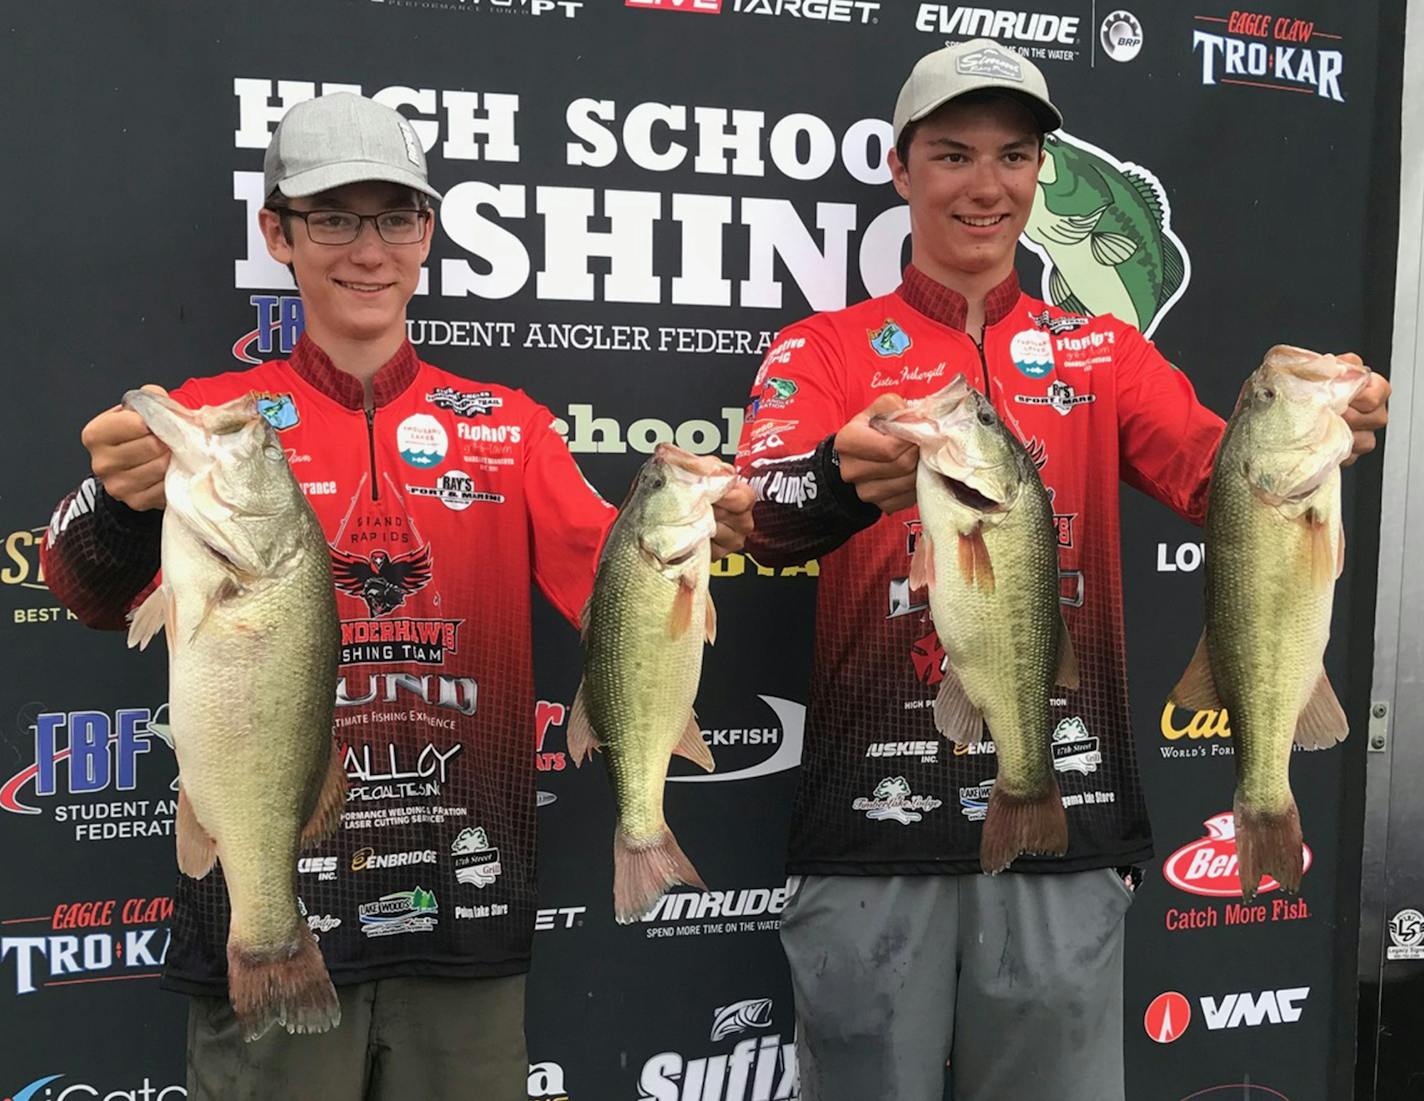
<point>442,499</point>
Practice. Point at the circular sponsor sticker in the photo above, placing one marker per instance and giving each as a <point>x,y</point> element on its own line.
<point>457,490</point>
<point>1406,929</point>
<point>1032,352</point>
<point>1121,36</point>
<point>422,440</point>
<point>1167,1017</point>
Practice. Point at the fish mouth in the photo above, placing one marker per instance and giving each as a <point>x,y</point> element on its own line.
<point>970,497</point>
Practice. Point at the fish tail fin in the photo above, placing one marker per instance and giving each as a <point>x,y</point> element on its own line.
<point>1268,843</point>
<point>289,987</point>
<point>1018,824</point>
<point>643,871</point>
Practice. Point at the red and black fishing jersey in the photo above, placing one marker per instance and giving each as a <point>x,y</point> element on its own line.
<point>881,792</point>
<point>442,503</point>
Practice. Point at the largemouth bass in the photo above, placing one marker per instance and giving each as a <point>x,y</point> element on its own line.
<point>643,630</point>
<point>247,601</point>
<point>1274,547</point>
<point>988,555</point>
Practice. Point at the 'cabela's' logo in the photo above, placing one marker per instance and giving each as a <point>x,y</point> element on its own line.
<point>1202,724</point>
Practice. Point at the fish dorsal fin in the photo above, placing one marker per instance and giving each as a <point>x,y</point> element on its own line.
<point>955,715</point>
<point>1112,248</point>
<point>1067,674</point>
<point>1322,721</point>
<point>1196,691</point>
<point>922,562</point>
<point>691,745</point>
<point>1146,191</point>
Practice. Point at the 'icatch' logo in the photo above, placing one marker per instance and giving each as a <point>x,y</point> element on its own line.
<point>50,1088</point>
<point>755,1069</point>
<point>728,742</point>
<point>1209,866</point>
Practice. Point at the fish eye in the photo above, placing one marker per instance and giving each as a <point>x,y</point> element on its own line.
<point>659,482</point>
<point>274,454</point>
<point>986,417</point>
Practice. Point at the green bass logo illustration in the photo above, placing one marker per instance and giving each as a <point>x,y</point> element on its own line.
<point>1103,229</point>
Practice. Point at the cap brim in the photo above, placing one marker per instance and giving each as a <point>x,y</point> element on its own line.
<point>1044,113</point>
<point>330,176</point>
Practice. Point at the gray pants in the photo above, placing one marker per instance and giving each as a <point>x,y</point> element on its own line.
<point>1014,981</point>
<point>435,1039</point>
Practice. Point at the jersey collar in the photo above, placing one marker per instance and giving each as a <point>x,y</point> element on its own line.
<point>316,368</point>
<point>949,307</point>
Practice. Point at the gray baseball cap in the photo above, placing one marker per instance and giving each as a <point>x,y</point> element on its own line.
<point>978,65</point>
<point>341,139</point>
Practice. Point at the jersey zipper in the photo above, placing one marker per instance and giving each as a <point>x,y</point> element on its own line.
<point>984,368</point>
<point>371,442</point>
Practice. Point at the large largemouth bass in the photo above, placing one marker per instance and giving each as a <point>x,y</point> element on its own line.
<point>247,600</point>
<point>988,554</point>
<point>643,632</point>
<point>1274,547</point>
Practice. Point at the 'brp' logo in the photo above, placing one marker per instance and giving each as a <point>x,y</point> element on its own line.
<point>280,322</point>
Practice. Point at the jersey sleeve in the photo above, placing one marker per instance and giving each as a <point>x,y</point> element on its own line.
<point>568,520</point>
<point>99,556</point>
<point>1167,439</point>
<point>803,507</point>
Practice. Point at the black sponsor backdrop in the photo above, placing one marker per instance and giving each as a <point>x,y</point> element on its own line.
<point>126,224</point>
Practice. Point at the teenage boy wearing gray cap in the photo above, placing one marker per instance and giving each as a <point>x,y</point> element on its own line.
<point>904,957</point>
<point>443,500</point>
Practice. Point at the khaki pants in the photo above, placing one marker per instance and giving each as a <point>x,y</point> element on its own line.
<point>433,1039</point>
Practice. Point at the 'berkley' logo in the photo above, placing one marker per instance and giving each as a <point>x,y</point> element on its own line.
<point>1209,866</point>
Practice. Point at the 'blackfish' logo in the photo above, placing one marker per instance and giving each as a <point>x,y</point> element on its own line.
<point>382,581</point>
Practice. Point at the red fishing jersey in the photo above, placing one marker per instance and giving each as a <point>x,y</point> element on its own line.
<point>881,792</point>
<point>441,504</point>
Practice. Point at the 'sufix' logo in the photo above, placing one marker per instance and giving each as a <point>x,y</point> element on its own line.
<point>1209,867</point>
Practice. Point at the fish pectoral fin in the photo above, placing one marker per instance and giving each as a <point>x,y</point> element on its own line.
<point>922,562</point>
<point>955,715</point>
<point>326,815</point>
<point>974,563</point>
<point>196,848</point>
<point>150,617</point>
<point>691,745</point>
<point>1322,721</point>
<point>582,738</point>
<point>1112,249</point>
<point>711,621</point>
<point>1196,691</point>
<point>680,618</point>
<point>1326,556</point>
<point>1067,674</point>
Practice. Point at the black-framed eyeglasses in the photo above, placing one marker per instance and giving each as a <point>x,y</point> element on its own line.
<point>341,227</point>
